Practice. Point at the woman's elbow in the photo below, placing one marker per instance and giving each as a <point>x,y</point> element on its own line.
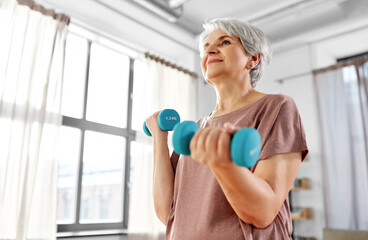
<point>162,215</point>
<point>262,223</point>
<point>258,220</point>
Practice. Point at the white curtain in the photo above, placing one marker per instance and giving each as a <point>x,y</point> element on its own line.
<point>32,47</point>
<point>164,87</point>
<point>342,97</point>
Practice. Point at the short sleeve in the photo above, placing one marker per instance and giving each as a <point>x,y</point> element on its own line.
<point>284,131</point>
<point>174,160</point>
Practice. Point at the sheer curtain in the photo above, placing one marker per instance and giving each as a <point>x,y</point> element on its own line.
<point>342,96</point>
<point>31,66</point>
<point>163,87</point>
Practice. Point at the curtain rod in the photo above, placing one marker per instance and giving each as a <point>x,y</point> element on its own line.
<point>48,12</point>
<point>354,61</point>
<point>169,64</point>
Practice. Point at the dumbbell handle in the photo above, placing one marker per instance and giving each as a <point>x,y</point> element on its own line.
<point>245,145</point>
<point>166,119</point>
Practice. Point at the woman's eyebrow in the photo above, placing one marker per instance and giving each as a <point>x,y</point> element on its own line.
<point>223,36</point>
<point>218,39</point>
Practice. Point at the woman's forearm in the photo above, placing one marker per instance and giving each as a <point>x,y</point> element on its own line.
<point>251,197</point>
<point>163,178</point>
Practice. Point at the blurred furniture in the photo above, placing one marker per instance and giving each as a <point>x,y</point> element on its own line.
<point>340,234</point>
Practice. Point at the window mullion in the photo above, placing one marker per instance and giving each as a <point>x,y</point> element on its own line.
<point>80,167</point>
<point>87,80</point>
<point>130,137</point>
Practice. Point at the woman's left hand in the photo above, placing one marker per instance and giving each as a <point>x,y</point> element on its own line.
<point>211,145</point>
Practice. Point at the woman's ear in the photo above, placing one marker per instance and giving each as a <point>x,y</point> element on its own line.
<point>253,61</point>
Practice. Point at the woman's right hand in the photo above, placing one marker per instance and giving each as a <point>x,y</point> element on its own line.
<point>152,125</point>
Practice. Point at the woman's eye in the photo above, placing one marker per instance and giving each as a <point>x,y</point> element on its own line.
<point>225,42</point>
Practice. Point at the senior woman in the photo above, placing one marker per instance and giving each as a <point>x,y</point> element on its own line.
<point>205,195</point>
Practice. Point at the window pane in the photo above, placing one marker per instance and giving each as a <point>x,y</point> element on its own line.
<point>103,177</point>
<point>108,86</point>
<point>351,82</point>
<point>138,152</point>
<point>68,158</point>
<point>138,115</point>
<point>74,76</point>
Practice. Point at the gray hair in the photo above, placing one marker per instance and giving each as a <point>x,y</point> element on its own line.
<point>252,38</point>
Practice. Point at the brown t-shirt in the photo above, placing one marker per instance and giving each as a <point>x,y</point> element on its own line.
<point>200,209</point>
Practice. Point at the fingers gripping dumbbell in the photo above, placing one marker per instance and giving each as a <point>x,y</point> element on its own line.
<point>166,119</point>
<point>245,144</point>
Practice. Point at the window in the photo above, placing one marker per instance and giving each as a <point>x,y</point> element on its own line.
<point>342,101</point>
<point>96,137</point>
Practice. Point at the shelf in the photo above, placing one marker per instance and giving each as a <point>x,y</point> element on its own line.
<point>301,184</point>
<point>303,238</point>
<point>302,214</point>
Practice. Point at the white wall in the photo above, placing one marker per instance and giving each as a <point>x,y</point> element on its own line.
<point>325,52</point>
<point>206,93</point>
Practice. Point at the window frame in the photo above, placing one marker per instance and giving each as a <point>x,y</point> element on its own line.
<point>84,125</point>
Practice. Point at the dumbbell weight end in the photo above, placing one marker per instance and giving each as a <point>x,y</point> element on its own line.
<point>183,133</point>
<point>245,147</point>
<point>145,130</point>
<point>166,119</point>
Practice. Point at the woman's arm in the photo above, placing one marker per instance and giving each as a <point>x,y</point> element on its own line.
<point>256,197</point>
<point>163,174</point>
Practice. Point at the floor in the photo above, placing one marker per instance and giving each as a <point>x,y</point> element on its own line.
<point>115,237</point>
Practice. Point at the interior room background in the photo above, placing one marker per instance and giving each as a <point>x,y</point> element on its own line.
<point>111,28</point>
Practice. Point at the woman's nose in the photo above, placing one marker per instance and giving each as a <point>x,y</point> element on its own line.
<point>211,49</point>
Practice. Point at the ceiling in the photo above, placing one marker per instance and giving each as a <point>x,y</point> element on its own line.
<point>288,23</point>
<point>279,19</point>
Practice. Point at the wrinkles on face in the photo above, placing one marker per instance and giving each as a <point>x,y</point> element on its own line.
<point>224,56</point>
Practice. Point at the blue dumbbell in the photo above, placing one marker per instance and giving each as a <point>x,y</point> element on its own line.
<point>166,119</point>
<point>245,144</point>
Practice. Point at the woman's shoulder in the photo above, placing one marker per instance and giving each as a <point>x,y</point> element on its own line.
<point>274,105</point>
<point>278,101</point>
<point>278,98</point>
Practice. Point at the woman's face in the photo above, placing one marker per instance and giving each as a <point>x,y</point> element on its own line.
<point>224,56</point>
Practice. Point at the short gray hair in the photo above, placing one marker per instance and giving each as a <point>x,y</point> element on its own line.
<point>252,38</point>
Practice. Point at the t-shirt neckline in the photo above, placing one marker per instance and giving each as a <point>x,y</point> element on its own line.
<point>209,116</point>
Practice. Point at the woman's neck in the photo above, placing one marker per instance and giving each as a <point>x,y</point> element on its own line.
<point>232,96</point>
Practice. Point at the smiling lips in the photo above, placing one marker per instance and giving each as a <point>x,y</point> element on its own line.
<point>213,61</point>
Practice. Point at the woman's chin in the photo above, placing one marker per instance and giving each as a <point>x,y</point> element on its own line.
<point>214,79</point>
<point>212,76</point>
<point>209,81</point>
